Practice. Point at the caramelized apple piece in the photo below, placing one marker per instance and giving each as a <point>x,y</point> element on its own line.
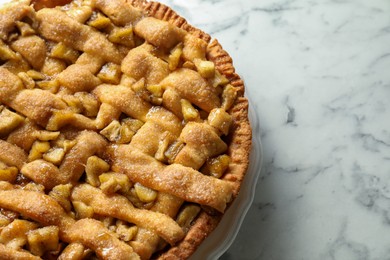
<point>99,21</point>
<point>205,68</point>
<point>66,53</point>
<point>28,82</point>
<point>54,155</point>
<point>38,149</point>
<point>112,131</point>
<point>187,215</point>
<point>219,79</point>
<point>95,167</point>
<point>9,174</point>
<point>174,56</point>
<point>110,73</point>
<point>112,182</point>
<point>61,193</point>
<point>216,167</point>
<point>221,120</point>
<point>25,29</point>
<point>128,129</point>
<point>122,35</point>
<point>156,90</point>
<point>189,112</point>
<point>43,239</point>
<point>166,139</point>
<point>9,121</point>
<point>124,232</point>
<point>229,95</point>
<point>145,194</point>
<point>173,150</point>
<point>82,210</point>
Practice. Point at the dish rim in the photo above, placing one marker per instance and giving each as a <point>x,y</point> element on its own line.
<point>213,247</point>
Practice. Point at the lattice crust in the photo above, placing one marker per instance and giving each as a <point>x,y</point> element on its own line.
<point>124,132</point>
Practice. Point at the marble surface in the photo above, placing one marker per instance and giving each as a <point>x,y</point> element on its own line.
<point>318,75</point>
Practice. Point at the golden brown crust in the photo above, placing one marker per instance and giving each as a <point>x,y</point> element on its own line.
<point>240,139</point>
<point>8,253</point>
<point>202,227</point>
<point>165,13</point>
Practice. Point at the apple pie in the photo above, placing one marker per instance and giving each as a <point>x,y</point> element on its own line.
<point>124,131</point>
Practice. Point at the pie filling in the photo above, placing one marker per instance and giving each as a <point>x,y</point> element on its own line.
<point>113,132</point>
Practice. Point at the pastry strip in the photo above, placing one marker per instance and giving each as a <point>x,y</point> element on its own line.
<point>181,181</point>
<point>124,99</point>
<point>10,14</point>
<point>35,205</point>
<point>147,242</point>
<point>47,211</point>
<point>119,207</point>
<point>73,165</point>
<point>93,234</point>
<point>10,86</point>
<point>37,104</point>
<point>141,63</point>
<point>159,120</point>
<point>24,136</point>
<point>55,25</point>
<point>8,253</point>
<point>73,251</point>
<point>190,85</point>
<point>12,155</point>
<point>88,144</point>
<point>159,33</point>
<point>202,142</point>
<point>120,12</point>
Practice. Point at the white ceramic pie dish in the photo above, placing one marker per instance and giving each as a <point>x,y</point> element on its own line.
<point>223,236</point>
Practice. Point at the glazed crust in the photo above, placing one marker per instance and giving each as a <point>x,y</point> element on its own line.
<point>239,139</point>
<point>241,133</point>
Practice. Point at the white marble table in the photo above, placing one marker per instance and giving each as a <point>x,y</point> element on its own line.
<point>318,73</point>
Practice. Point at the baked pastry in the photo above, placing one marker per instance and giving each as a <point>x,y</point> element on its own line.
<point>124,131</point>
